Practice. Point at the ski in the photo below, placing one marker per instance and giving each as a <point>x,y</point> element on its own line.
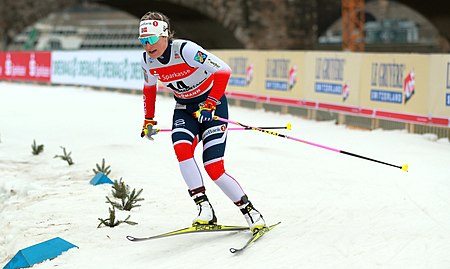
<point>255,237</point>
<point>199,228</point>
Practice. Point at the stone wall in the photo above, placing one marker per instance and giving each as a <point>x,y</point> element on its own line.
<point>267,24</point>
<point>16,15</point>
<point>256,24</point>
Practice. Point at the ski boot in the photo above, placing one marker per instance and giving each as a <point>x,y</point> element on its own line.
<point>254,219</point>
<point>206,213</point>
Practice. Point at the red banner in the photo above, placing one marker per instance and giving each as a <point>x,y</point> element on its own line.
<point>25,66</point>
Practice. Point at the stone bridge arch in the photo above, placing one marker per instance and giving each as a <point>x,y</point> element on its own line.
<point>189,19</point>
<point>250,24</point>
<point>254,24</point>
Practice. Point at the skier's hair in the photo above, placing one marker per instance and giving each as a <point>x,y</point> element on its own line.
<point>153,15</point>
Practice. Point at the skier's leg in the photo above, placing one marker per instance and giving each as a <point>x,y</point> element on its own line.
<point>214,136</point>
<point>185,139</point>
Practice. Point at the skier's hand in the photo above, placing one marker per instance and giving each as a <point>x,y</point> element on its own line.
<point>206,111</point>
<point>147,128</point>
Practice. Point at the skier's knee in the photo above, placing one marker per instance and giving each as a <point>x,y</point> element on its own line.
<point>183,151</point>
<point>215,169</point>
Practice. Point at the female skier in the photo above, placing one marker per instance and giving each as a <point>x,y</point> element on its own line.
<point>198,80</point>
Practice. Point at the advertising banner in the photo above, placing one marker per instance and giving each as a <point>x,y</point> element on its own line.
<point>333,77</point>
<point>439,86</point>
<point>113,69</point>
<point>396,83</point>
<point>246,69</point>
<point>25,66</point>
<point>283,74</point>
<point>402,87</point>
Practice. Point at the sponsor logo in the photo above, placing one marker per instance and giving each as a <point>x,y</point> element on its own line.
<point>156,75</point>
<point>155,23</point>
<point>188,95</point>
<point>200,57</point>
<point>409,86</point>
<point>174,72</point>
<point>330,88</point>
<point>213,64</point>
<point>390,84</point>
<point>292,78</point>
<point>143,30</point>
<point>276,85</point>
<point>387,75</point>
<point>175,75</point>
<point>345,92</point>
<point>32,65</point>
<point>214,130</point>
<point>242,74</point>
<point>386,96</point>
<point>329,76</point>
<point>234,81</point>
<point>81,68</point>
<point>37,70</point>
<point>8,65</point>
<point>179,122</point>
<point>279,76</point>
<point>249,74</point>
<point>145,23</point>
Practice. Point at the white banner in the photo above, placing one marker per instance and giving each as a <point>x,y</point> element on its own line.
<point>114,69</point>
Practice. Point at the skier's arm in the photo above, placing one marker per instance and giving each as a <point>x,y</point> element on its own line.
<point>196,56</point>
<point>149,98</point>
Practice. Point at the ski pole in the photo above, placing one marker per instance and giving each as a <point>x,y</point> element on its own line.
<point>288,127</point>
<point>402,167</point>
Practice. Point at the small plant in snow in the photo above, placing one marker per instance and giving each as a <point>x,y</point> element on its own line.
<point>104,169</point>
<point>127,200</point>
<point>36,148</point>
<point>112,221</point>
<point>66,156</point>
<point>122,199</point>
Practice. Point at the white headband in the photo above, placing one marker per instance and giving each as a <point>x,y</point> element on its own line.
<point>159,28</point>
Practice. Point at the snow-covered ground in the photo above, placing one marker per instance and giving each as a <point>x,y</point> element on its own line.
<point>336,211</point>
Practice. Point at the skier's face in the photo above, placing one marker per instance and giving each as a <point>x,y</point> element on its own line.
<point>156,49</point>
